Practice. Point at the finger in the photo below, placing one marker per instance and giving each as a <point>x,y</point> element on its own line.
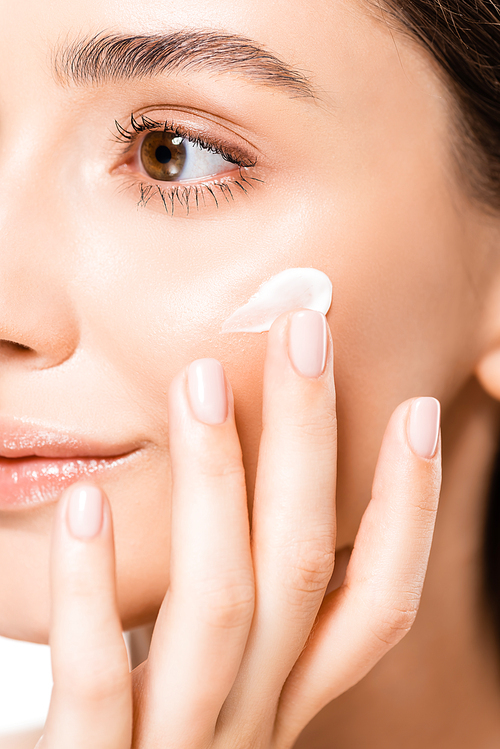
<point>203,625</point>
<point>91,704</point>
<point>379,598</point>
<point>293,522</point>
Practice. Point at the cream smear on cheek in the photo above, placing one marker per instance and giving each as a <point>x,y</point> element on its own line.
<point>293,288</point>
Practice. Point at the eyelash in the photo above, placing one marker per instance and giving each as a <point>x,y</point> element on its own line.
<point>184,194</point>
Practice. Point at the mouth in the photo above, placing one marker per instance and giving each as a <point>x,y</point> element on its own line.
<point>38,462</point>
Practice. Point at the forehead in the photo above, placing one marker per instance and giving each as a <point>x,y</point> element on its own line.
<point>315,38</point>
<point>372,86</point>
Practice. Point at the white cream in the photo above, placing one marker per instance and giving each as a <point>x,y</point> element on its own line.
<point>290,289</point>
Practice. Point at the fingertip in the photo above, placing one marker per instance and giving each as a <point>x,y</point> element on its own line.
<point>207,391</point>
<point>201,391</point>
<point>308,343</point>
<point>84,510</point>
<point>301,338</point>
<point>423,425</point>
<point>83,515</point>
<point>416,423</point>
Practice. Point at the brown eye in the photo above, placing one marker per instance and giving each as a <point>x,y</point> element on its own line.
<point>163,155</point>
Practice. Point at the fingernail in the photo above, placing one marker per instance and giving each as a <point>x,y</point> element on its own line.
<point>423,428</point>
<point>84,514</point>
<point>307,342</point>
<point>207,391</point>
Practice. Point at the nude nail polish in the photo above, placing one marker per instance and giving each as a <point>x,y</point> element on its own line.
<point>84,512</point>
<point>423,426</point>
<point>307,342</point>
<point>207,391</point>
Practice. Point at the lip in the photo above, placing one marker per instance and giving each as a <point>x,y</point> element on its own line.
<point>37,462</point>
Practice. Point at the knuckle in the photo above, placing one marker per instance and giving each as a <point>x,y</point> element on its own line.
<point>322,427</point>
<point>220,465</point>
<point>227,605</point>
<point>85,591</point>
<point>85,582</point>
<point>309,567</point>
<point>426,511</point>
<point>391,623</point>
<point>94,679</point>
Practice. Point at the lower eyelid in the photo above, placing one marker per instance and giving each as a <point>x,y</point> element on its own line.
<point>193,197</point>
<point>199,138</point>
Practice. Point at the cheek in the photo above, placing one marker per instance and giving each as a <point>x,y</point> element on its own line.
<point>399,317</point>
<point>401,307</point>
<point>404,316</point>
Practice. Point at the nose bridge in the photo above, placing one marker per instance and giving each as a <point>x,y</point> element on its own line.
<point>37,311</point>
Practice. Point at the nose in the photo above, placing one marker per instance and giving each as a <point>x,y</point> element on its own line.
<point>38,326</point>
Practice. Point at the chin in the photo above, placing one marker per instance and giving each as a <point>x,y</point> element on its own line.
<point>25,615</point>
<point>24,586</point>
<point>25,624</point>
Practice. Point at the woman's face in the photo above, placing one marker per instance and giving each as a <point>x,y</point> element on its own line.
<point>112,294</point>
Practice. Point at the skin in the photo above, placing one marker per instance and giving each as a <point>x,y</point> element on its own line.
<point>113,302</point>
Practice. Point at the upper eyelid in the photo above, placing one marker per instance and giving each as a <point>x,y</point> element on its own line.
<point>191,134</point>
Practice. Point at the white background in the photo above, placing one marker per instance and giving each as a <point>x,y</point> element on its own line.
<point>25,685</point>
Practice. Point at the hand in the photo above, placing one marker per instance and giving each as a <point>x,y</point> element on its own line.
<point>246,648</point>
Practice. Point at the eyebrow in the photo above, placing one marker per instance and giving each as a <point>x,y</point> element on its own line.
<point>111,58</point>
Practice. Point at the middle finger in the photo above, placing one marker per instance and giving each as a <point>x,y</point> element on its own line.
<point>293,522</point>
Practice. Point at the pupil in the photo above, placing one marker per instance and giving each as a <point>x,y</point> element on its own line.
<point>163,154</point>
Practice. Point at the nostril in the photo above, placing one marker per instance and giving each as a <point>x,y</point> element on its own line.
<point>13,345</point>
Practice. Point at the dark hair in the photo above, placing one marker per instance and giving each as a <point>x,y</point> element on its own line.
<point>463,36</point>
<point>491,549</point>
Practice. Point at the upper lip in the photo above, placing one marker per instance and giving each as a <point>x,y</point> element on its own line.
<point>19,439</point>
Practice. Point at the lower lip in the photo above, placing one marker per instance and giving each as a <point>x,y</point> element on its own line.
<point>26,482</point>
